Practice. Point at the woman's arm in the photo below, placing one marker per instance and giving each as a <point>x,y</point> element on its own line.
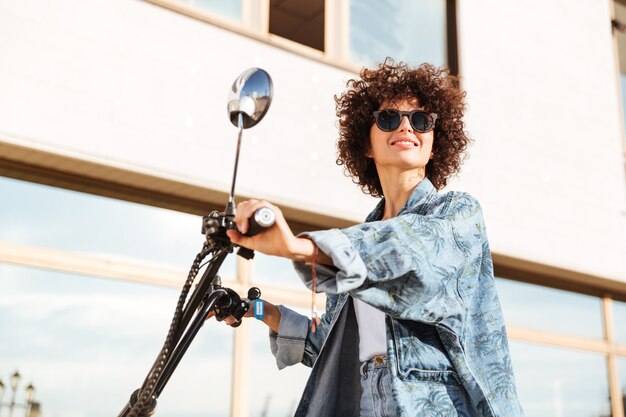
<point>271,317</point>
<point>291,339</point>
<point>295,342</point>
<point>413,266</point>
<point>278,240</point>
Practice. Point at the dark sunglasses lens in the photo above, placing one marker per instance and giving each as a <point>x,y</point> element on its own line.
<point>420,121</point>
<point>388,120</point>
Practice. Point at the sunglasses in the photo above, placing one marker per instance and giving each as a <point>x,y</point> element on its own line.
<point>388,120</point>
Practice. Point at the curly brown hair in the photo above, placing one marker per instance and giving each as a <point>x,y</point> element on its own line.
<point>434,88</point>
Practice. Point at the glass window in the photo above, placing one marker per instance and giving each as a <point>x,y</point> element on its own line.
<point>560,382</point>
<point>40,215</point>
<point>274,270</point>
<point>230,9</point>
<point>549,309</point>
<point>273,393</point>
<point>299,21</point>
<point>413,31</point>
<point>619,321</point>
<point>86,344</point>
<point>621,369</point>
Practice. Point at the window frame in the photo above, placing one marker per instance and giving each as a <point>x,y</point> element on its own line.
<point>255,25</point>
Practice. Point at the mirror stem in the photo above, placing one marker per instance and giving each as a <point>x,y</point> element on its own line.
<point>230,208</point>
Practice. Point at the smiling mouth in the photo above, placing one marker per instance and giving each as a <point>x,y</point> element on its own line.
<point>405,142</point>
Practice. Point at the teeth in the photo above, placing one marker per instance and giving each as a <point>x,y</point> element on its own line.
<point>408,142</point>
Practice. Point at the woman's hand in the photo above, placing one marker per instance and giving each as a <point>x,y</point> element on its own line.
<point>230,320</point>
<point>277,240</point>
<point>271,317</point>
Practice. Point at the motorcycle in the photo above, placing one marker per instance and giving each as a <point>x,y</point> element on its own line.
<point>249,99</point>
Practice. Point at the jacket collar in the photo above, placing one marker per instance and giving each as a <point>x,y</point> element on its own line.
<point>419,197</point>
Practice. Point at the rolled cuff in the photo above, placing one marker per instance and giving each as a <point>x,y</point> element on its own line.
<point>349,272</point>
<point>288,344</point>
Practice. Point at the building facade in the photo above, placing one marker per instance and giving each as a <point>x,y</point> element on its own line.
<point>114,140</point>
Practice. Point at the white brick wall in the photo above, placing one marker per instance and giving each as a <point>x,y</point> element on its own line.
<point>128,83</point>
<point>544,110</point>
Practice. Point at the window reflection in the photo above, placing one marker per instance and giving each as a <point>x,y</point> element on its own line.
<point>621,369</point>
<point>273,393</point>
<point>549,309</point>
<point>560,382</point>
<point>230,9</point>
<point>407,30</point>
<point>40,215</point>
<point>88,343</point>
<point>619,320</point>
<point>274,270</point>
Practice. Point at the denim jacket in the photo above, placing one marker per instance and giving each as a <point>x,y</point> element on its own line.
<point>429,269</point>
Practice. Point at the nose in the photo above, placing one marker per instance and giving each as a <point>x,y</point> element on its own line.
<point>405,123</point>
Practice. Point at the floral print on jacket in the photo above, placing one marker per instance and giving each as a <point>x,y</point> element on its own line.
<point>429,269</point>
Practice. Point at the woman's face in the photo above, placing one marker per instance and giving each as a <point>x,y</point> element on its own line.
<point>402,148</point>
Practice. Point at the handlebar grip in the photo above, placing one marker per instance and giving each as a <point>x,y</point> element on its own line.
<point>254,293</point>
<point>262,219</point>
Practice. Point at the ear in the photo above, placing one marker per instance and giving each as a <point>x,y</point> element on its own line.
<point>431,155</point>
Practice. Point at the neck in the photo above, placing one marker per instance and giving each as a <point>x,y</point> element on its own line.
<point>397,188</point>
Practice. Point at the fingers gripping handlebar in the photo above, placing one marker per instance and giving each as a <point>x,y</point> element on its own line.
<point>215,225</point>
<point>231,305</point>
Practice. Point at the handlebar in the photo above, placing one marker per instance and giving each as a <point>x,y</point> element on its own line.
<point>262,219</point>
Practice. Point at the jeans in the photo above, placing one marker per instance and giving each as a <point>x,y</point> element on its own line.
<point>376,399</point>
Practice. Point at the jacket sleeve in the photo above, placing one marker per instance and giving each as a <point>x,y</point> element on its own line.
<point>295,342</point>
<point>409,266</point>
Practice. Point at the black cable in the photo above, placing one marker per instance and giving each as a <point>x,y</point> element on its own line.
<point>146,393</point>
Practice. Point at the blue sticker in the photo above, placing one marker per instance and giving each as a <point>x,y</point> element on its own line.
<point>259,309</point>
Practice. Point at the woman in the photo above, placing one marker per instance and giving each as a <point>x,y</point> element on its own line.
<point>413,326</point>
